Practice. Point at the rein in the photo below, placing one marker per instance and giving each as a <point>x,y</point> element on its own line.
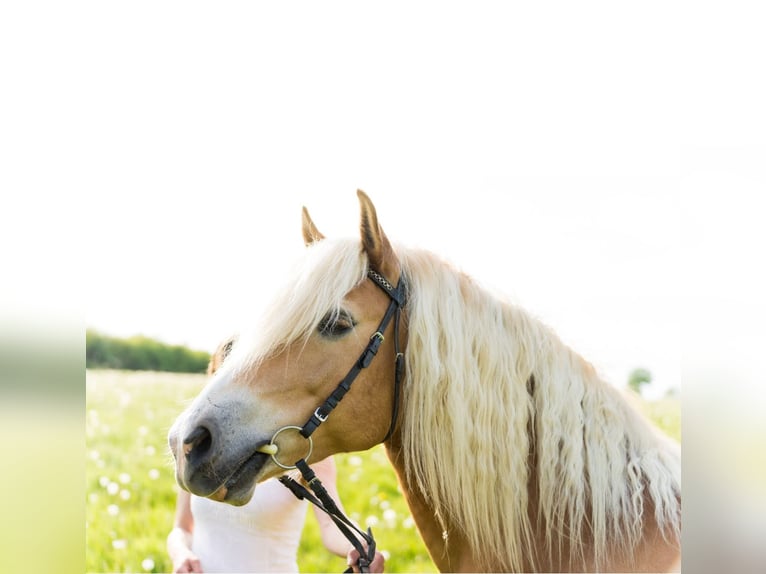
<point>320,497</point>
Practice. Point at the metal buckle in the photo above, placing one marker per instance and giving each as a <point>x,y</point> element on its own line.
<point>320,417</point>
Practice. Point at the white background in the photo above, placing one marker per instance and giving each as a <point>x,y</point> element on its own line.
<point>546,150</point>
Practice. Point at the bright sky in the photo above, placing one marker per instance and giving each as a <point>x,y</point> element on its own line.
<point>542,148</point>
<point>544,172</point>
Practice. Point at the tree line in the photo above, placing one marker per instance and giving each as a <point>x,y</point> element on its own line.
<point>140,353</point>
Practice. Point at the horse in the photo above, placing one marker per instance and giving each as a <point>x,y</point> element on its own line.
<point>512,453</point>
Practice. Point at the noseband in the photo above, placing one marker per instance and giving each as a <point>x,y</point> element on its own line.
<point>323,500</point>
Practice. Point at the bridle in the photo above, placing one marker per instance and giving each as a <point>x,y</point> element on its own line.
<point>321,498</point>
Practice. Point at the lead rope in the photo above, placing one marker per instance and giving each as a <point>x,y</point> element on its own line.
<point>326,504</point>
<point>323,500</point>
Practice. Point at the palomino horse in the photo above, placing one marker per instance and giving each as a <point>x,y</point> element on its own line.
<point>512,453</point>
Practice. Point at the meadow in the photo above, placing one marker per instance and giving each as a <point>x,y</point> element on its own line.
<point>131,490</point>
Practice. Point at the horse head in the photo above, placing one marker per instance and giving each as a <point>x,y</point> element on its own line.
<point>245,425</point>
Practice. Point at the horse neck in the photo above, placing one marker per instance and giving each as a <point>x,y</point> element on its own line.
<point>448,549</point>
<point>557,409</point>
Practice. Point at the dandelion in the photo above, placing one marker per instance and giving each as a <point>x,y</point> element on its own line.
<point>408,522</point>
<point>113,488</point>
<point>119,544</point>
<point>371,521</point>
<point>104,481</point>
<point>125,399</point>
<point>125,494</point>
<point>147,564</point>
<point>154,474</point>
<point>93,498</point>
<point>386,554</point>
<point>150,450</point>
<point>113,510</point>
<point>389,516</point>
<point>355,460</point>
<point>124,478</point>
<point>385,504</point>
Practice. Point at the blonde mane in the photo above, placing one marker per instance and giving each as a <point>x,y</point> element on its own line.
<point>493,396</point>
<point>507,433</point>
<point>316,285</point>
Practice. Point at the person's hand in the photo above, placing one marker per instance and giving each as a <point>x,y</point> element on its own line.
<point>376,566</point>
<point>186,561</point>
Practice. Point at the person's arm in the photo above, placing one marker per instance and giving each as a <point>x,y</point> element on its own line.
<point>180,538</point>
<point>332,538</point>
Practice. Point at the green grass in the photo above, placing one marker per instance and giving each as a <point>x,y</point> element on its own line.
<point>130,485</point>
<point>128,415</point>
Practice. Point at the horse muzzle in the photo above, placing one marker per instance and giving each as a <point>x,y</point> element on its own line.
<point>207,467</point>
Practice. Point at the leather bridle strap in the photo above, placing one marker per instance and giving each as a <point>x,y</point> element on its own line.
<point>326,504</point>
<point>398,298</point>
<point>321,499</point>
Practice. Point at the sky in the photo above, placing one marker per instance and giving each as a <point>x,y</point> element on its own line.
<point>537,161</point>
<point>553,151</point>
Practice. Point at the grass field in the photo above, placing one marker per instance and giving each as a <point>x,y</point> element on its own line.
<point>130,485</point>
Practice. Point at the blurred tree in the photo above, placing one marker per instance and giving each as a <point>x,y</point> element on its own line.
<point>638,378</point>
<point>141,353</point>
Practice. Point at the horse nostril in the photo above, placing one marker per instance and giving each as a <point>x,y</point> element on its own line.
<point>197,442</point>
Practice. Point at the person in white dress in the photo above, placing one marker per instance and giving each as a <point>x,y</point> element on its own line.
<point>260,536</point>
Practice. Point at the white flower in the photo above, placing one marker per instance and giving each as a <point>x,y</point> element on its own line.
<point>104,481</point>
<point>113,510</point>
<point>371,521</point>
<point>93,498</point>
<point>154,474</point>
<point>389,516</point>
<point>124,478</point>
<point>119,544</point>
<point>147,564</point>
<point>113,488</point>
<point>150,450</point>
<point>125,494</point>
<point>355,460</point>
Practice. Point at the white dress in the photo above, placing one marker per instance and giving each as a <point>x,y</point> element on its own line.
<point>261,536</point>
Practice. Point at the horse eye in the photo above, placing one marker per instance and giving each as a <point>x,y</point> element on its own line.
<point>336,324</point>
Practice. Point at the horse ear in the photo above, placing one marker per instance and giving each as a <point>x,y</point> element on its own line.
<point>310,231</point>
<point>375,243</point>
